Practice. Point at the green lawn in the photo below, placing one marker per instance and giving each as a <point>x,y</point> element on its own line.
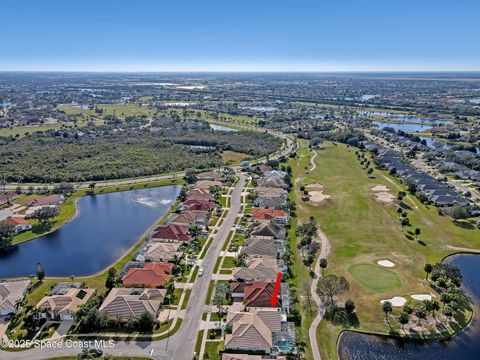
<point>362,231</point>
<point>21,131</point>
<point>228,262</point>
<point>213,348</point>
<point>374,277</point>
<point>120,110</point>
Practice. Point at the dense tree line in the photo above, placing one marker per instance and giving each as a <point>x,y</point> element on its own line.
<point>44,157</point>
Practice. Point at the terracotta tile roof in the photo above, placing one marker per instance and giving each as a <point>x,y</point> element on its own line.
<point>206,184</point>
<point>267,214</point>
<point>270,192</point>
<point>46,200</point>
<point>188,217</point>
<point>124,302</point>
<point>16,221</point>
<point>249,332</point>
<point>210,175</point>
<point>163,251</point>
<point>257,294</point>
<point>68,302</point>
<point>152,275</point>
<point>199,205</point>
<point>171,232</point>
<point>200,194</point>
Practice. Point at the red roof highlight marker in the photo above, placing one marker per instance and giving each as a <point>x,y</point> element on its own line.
<point>276,290</point>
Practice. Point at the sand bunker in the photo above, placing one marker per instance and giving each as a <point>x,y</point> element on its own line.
<point>380,188</point>
<point>385,197</point>
<point>314,186</point>
<point>396,301</point>
<point>386,263</point>
<point>421,297</point>
<point>317,197</point>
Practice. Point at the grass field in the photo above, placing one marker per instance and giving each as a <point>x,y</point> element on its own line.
<point>363,231</point>
<point>119,110</point>
<point>374,277</point>
<point>234,158</point>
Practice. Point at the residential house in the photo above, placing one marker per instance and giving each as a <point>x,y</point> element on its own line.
<point>19,224</point>
<point>269,182</point>
<point>190,218</point>
<point>271,203</point>
<point>198,205</point>
<point>211,175</point>
<point>258,273</point>
<point>11,293</point>
<point>49,200</point>
<point>259,248</point>
<point>268,230</point>
<point>258,294</point>
<point>268,215</point>
<point>160,252</point>
<point>171,233</point>
<point>128,303</point>
<point>151,275</point>
<point>275,174</point>
<point>65,305</point>
<point>265,330</point>
<point>207,184</point>
<point>200,194</point>
<point>270,192</point>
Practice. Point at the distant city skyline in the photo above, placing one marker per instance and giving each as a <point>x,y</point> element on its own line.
<point>211,36</point>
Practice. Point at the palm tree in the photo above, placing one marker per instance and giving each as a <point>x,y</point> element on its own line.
<point>404,319</point>
<point>417,233</point>
<point>323,264</point>
<point>18,304</point>
<point>428,269</point>
<point>448,312</point>
<point>399,212</point>
<point>435,307</point>
<point>421,313</point>
<point>387,308</point>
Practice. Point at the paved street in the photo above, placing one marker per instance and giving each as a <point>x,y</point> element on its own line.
<point>181,345</point>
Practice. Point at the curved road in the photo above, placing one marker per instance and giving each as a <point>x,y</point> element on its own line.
<point>181,345</point>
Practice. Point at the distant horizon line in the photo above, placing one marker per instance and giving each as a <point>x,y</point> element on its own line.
<point>244,71</point>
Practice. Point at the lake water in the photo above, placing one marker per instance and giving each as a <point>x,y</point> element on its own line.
<point>404,127</point>
<point>263,108</point>
<point>442,145</point>
<point>463,346</point>
<point>105,227</point>
<point>82,106</point>
<point>436,144</point>
<point>221,128</point>
<point>417,120</point>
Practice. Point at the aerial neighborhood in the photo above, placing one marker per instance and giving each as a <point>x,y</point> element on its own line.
<point>240,216</point>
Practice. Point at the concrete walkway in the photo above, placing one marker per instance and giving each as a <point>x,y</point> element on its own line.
<point>312,331</point>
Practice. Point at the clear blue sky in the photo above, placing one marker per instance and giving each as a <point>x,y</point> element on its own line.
<point>163,35</point>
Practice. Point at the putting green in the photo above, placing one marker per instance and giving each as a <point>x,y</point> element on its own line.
<point>375,277</point>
